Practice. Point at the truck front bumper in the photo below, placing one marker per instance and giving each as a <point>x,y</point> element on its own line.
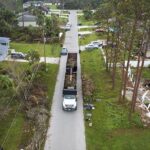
<point>69,109</point>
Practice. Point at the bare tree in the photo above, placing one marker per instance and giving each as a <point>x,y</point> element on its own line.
<point>141,59</point>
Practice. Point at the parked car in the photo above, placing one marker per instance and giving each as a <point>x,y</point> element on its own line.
<point>79,24</point>
<point>68,26</point>
<point>91,46</point>
<point>18,55</point>
<point>100,30</point>
<point>64,51</point>
<point>97,43</point>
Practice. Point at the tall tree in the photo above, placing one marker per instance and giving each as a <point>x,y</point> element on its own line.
<point>8,21</point>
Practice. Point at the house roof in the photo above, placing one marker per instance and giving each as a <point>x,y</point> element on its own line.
<point>4,40</point>
<point>44,8</point>
<point>27,18</point>
<point>33,2</point>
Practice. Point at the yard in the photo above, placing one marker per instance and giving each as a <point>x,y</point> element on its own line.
<point>86,39</point>
<point>146,73</point>
<point>52,6</point>
<point>83,21</point>
<point>110,129</point>
<point>51,50</point>
<point>15,128</point>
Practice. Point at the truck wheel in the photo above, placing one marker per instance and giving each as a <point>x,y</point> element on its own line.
<point>63,108</point>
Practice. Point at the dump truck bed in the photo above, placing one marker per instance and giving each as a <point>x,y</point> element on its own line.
<point>71,74</point>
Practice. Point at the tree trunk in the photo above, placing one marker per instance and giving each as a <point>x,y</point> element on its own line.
<point>106,50</point>
<point>129,53</point>
<point>144,48</point>
<point>116,52</point>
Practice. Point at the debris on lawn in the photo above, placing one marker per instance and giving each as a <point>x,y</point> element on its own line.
<point>88,116</point>
<point>89,106</point>
<point>90,124</point>
<point>98,100</point>
<point>87,86</point>
<point>146,84</point>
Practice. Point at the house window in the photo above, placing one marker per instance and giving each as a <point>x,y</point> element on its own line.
<point>3,44</point>
<point>1,52</point>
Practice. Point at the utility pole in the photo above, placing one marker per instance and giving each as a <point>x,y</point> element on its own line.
<point>22,15</point>
<point>44,41</point>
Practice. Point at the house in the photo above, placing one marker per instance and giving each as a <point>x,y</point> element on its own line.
<point>44,9</point>
<point>27,20</point>
<point>4,46</point>
<point>32,3</point>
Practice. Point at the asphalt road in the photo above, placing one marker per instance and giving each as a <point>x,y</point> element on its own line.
<point>66,129</point>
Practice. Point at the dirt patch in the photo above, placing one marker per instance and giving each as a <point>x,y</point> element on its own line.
<point>87,86</point>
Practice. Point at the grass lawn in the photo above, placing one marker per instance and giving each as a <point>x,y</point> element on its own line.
<point>83,21</point>
<point>52,50</point>
<point>50,79</point>
<point>146,73</point>
<point>63,21</point>
<point>52,6</point>
<point>86,39</point>
<point>87,29</point>
<point>17,136</point>
<point>111,129</point>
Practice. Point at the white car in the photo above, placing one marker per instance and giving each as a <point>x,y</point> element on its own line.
<point>91,46</point>
<point>97,43</point>
<point>68,26</point>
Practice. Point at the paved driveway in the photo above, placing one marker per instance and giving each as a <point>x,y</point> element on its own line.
<point>66,129</point>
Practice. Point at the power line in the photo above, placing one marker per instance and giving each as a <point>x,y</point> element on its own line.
<point>19,83</point>
<point>30,84</point>
<point>5,139</point>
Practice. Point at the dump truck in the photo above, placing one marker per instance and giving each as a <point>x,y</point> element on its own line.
<point>70,83</point>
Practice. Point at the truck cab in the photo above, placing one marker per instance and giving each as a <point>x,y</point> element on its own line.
<point>69,102</point>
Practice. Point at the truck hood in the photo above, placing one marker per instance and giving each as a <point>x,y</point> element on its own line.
<point>69,102</point>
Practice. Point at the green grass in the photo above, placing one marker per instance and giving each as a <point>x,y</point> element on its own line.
<point>111,129</point>
<point>52,50</point>
<point>87,29</point>
<point>50,79</point>
<point>146,73</point>
<point>52,6</point>
<point>83,21</point>
<point>63,21</point>
<point>14,137</point>
<point>88,38</point>
<point>17,137</point>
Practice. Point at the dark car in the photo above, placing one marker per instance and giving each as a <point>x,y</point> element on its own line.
<point>64,51</point>
<point>18,55</point>
<point>79,24</point>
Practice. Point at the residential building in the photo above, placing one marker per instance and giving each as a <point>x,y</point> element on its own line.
<point>4,47</point>
<point>27,20</point>
<point>32,3</point>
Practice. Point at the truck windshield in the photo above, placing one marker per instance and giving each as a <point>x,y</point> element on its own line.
<point>69,97</point>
